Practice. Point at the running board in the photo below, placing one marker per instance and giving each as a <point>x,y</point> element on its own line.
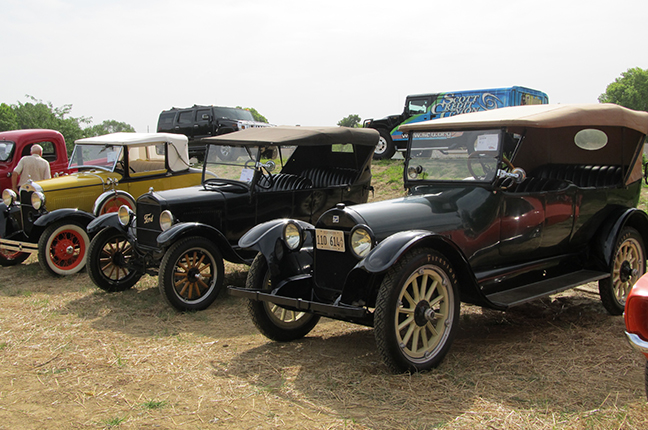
<point>526,293</point>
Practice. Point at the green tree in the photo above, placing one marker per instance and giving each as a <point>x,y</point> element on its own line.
<point>36,114</point>
<point>630,90</point>
<point>352,121</point>
<point>8,120</point>
<point>106,127</point>
<point>255,114</point>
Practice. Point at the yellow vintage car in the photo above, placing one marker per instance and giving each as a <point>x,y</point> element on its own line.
<point>51,216</point>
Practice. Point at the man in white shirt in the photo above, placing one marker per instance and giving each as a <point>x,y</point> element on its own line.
<point>33,167</point>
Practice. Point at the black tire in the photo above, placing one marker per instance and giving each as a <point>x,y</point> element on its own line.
<point>385,148</point>
<point>274,322</point>
<point>628,264</point>
<point>403,318</point>
<point>108,257</point>
<point>11,258</point>
<point>191,264</point>
<point>63,248</point>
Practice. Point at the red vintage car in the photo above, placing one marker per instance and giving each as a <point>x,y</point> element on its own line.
<point>636,319</point>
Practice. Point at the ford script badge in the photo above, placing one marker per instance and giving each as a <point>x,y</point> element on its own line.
<point>148,218</point>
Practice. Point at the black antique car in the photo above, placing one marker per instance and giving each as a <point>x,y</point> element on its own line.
<point>504,207</point>
<point>270,173</point>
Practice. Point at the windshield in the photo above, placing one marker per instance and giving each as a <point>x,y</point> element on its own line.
<point>233,113</point>
<point>237,163</point>
<point>454,156</point>
<point>6,148</point>
<point>97,156</point>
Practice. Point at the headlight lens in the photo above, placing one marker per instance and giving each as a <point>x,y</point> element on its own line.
<point>125,215</point>
<point>166,220</point>
<point>361,241</point>
<point>37,200</point>
<point>9,197</point>
<point>292,235</point>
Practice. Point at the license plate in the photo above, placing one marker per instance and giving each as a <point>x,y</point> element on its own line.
<point>330,240</point>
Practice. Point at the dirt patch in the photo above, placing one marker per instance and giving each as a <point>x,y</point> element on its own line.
<point>72,356</point>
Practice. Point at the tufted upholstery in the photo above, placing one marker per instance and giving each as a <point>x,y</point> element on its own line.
<point>326,177</point>
<point>285,182</point>
<point>553,177</point>
<point>582,175</point>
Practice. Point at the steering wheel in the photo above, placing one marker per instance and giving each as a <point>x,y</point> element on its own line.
<point>266,181</point>
<point>479,158</point>
<point>250,164</point>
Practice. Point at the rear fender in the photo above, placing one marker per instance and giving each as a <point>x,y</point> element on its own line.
<point>606,239</point>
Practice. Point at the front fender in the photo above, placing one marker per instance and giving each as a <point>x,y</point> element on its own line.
<point>59,214</point>
<point>105,221</point>
<point>263,237</point>
<point>393,248</point>
<point>183,229</point>
<point>7,214</point>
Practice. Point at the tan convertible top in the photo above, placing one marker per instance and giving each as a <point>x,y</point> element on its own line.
<point>541,116</point>
<point>291,135</point>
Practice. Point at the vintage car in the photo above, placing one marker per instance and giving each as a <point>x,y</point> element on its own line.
<point>636,319</point>
<point>183,235</point>
<point>504,207</point>
<point>51,215</point>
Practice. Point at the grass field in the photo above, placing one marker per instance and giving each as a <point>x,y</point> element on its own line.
<point>75,357</point>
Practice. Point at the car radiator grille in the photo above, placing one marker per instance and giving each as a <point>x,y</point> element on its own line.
<point>332,268</point>
<point>27,212</point>
<point>148,224</point>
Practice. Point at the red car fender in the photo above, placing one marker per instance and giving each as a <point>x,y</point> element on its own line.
<point>636,310</point>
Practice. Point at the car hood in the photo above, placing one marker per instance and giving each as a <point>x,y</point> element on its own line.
<point>441,211</point>
<point>75,180</point>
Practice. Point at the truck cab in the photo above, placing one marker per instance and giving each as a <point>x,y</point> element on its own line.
<point>16,144</point>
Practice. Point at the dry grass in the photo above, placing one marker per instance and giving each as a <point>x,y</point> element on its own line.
<point>72,356</point>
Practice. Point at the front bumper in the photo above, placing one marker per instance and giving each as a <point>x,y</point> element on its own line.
<point>637,343</point>
<point>338,311</point>
<point>19,246</point>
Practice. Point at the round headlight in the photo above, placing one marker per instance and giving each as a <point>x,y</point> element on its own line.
<point>292,235</point>
<point>37,200</point>
<point>125,215</point>
<point>361,241</point>
<point>166,220</point>
<point>9,197</point>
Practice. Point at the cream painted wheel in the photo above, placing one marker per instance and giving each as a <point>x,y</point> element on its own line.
<point>273,321</point>
<point>628,264</point>
<point>417,312</point>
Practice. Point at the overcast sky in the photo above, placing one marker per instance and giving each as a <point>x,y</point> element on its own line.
<point>305,62</point>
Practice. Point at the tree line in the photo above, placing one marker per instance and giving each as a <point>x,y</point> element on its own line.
<point>37,114</point>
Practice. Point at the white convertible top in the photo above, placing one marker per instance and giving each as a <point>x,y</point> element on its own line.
<point>178,152</point>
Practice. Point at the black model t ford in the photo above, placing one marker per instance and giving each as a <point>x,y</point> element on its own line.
<point>273,172</point>
<point>504,207</point>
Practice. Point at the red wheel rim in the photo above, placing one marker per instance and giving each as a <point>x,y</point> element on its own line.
<point>114,204</point>
<point>67,249</point>
<point>9,255</point>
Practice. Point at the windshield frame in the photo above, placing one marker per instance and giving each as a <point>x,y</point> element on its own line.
<point>487,159</point>
<point>107,166</point>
